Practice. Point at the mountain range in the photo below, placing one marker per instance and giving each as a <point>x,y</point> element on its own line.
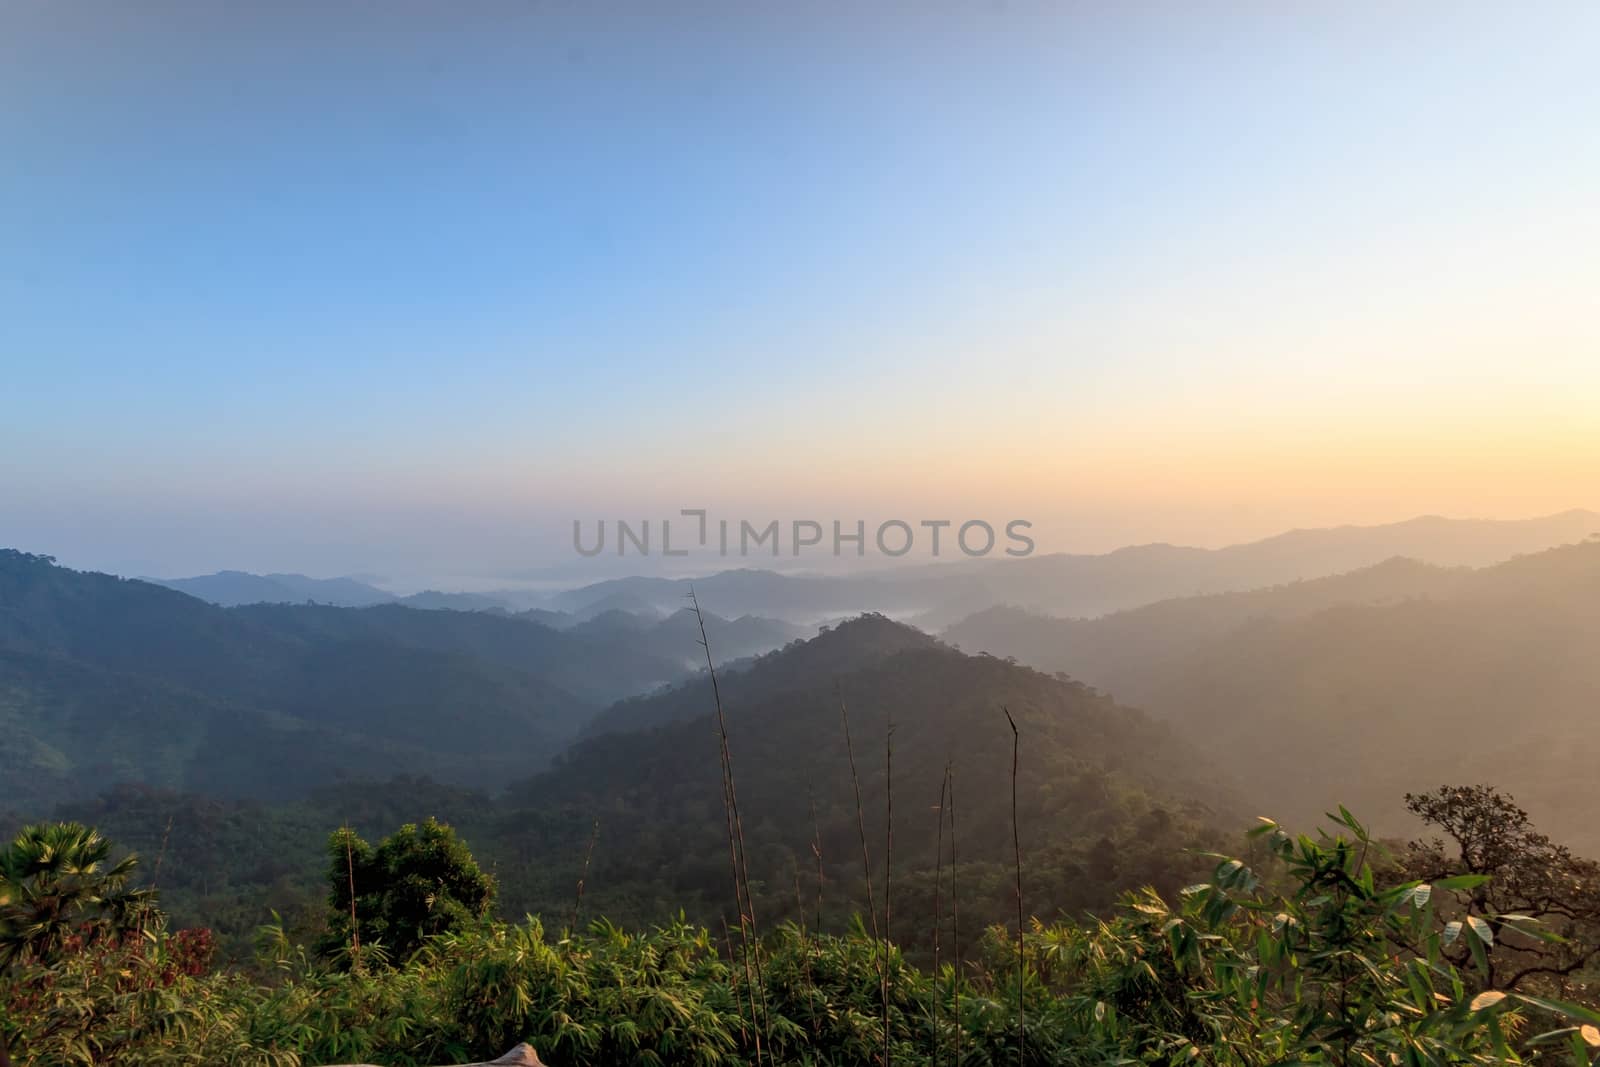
<point>936,595</point>
<point>105,679</point>
<point>1109,797</point>
<point>1358,688</point>
<point>1142,732</point>
<point>232,588</point>
<point>236,588</point>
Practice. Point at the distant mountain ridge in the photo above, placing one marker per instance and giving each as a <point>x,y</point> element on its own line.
<point>232,588</point>
<point>236,589</point>
<point>936,595</point>
<point>677,637</point>
<point>1115,651</point>
<point>1357,688</point>
<point>434,600</point>
<point>104,679</point>
<point>831,653</point>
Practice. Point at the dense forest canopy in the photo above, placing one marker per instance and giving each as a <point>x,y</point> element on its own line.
<point>1314,949</point>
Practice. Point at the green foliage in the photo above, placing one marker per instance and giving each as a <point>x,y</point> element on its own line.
<point>1534,906</point>
<point>419,882</point>
<point>77,944</point>
<point>1307,956</point>
<point>1339,970</point>
<point>140,996</point>
<point>56,884</point>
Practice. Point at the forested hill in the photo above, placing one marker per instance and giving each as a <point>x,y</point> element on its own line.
<point>599,669</point>
<point>1107,796</point>
<point>1350,688</point>
<point>676,638</point>
<point>232,588</point>
<point>1114,651</point>
<point>834,651</point>
<point>104,680</point>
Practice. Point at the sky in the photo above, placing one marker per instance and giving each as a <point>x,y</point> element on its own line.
<point>404,289</point>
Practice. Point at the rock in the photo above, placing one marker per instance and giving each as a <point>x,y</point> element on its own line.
<point>521,1056</point>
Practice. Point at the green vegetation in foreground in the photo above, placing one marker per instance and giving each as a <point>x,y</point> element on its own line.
<point>1304,951</point>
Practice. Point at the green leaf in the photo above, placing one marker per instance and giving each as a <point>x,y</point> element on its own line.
<point>1551,1036</point>
<point>1461,881</point>
<point>1561,1007</point>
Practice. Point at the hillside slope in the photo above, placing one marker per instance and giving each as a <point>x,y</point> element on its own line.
<point>1115,651</point>
<point>1360,688</point>
<point>833,652</point>
<point>232,588</point>
<point>598,668</point>
<point>1100,787</point>
<point>106,679</point>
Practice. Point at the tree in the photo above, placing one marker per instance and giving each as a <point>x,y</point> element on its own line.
<point>57,882</point>
<point>59,891</point>
<point>1532,907</point>
<point>420,881</point>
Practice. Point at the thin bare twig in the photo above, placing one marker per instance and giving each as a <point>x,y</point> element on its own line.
<point>861,820</point>
<point>955,910</point>
<point>155,875</point>
<point>727,940</point>
<point>577,904</point>
<point>736,847</point>
<point>805,954</point>
<point>816,851</point>
<point>938,885</point>
<point>888,878</point>
<point>1016,845</point>
<point>355,929</point>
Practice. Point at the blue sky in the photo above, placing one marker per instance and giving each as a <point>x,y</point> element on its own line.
<point>392,287</point>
